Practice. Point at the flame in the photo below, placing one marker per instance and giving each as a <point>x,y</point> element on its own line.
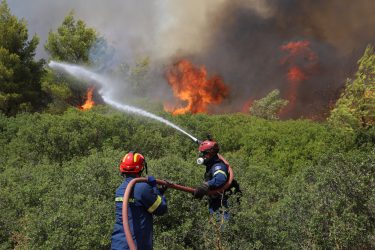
<point>169,107</point>
<point>89,103</point>
<point>300,60</point>
<point>246,106</point>
<point>189,83</point>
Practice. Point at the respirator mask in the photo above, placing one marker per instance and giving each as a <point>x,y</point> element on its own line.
<point>203,157</point>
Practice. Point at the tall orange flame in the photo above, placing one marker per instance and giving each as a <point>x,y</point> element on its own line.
<point>300,59</point>
<point>89,103</point>
<point>189,83</point>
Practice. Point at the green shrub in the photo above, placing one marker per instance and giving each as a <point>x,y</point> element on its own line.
<point>304,184</point>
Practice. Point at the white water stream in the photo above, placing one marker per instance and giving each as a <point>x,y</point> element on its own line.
<point>105,84</point>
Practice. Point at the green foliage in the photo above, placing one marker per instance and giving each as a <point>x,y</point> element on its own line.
<point>58,91</point>
<point>304,184</point>
<point>138,76</point>
<point>268,107</point>
<point>72,41</point>
<point>20,74</point>
<point>356,107</point>
<point>333,202</point>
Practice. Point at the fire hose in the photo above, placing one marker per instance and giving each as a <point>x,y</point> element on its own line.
<point>131,184</point>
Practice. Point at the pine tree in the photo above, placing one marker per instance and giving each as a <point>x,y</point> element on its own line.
<point>72,41</point>
<point>20,74</point>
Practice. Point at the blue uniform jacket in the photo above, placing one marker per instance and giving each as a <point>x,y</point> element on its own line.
<point>216,175</point>
<point>143,203</point>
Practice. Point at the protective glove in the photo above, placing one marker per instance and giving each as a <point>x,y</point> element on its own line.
<point>201,190</point>
<point>162,189</point>
<point>151,181</point>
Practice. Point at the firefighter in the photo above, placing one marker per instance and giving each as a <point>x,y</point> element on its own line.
<point>145,201</point>
<point>215,176</point>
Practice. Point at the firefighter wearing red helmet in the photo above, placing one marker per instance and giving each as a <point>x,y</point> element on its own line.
<point>145,201</point>
<point>215,176</point>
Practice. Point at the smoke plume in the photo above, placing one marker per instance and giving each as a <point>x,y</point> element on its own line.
<point>239,40</point>
<point>246,48</point>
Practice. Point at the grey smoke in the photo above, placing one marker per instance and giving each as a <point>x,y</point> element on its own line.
<point>237,39</point>
<point>246,47</point>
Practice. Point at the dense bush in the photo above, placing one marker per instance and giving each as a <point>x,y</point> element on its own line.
<point>305,184</point>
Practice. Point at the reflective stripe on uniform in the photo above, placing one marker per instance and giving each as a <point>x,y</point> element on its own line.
<point>121,199</point>
<point>155,205</point>
<point>220,172</point>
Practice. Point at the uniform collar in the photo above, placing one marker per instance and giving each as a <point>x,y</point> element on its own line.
<point>212,161</point>
<point>131,176</point>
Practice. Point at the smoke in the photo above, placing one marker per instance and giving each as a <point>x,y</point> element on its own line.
<point>246,47</point>
<point>134,27</point>
<point>237,39</point>
<point>129,26</point>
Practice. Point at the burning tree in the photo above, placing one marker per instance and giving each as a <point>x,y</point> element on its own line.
<point>300,60</point>
<point>190,84</point>
<point>89,103</point>
<point>71,42</point>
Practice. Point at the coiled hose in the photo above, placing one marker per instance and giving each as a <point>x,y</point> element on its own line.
<point>131,184</point>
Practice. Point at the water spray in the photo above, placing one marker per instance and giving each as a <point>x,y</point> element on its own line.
<point>131,109</point>
<point>85,74</point>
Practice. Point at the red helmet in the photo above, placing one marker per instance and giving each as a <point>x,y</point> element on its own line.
<point>132,163</point>
<point>208,149</point>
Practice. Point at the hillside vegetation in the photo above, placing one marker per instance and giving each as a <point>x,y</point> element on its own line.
<point>305,185</point>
